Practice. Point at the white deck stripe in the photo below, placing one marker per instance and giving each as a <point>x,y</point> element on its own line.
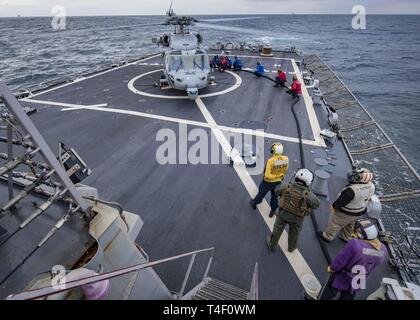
<point>66,105</point>
<point>73,107</point>
<point>313,120</point>
<point>132,88</point>
<point>295,258</point>
<point>268,135</point>
<point>121,111</point>
<point>94,75</point>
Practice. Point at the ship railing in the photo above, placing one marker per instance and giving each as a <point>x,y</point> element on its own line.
<point>253,291</point>
<point>62,287</point>
<point>412,244</point>
<point>407,247</point>
<point>180,294</point>
<point>398,182</point>
<point>371,120</point>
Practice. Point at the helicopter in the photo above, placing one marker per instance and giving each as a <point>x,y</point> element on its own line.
<point>186,63</point>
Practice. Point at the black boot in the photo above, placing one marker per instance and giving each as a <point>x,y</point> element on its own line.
<point>253,205</point>
<point>272,213</point>
<point>268,241</point>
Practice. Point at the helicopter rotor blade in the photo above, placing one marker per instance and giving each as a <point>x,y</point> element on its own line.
<point>231,19</point>
<point>68,32</point>
<point>233,29</point>
<point>129,26</point>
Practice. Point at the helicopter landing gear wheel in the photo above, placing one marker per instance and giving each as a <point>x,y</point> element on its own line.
<point>163,83</point>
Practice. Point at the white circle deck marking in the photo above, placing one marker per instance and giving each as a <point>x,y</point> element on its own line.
<point>131,87</point>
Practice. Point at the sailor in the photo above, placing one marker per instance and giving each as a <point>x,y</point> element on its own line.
<point>281,78</point>
<point>223,63</point>
<point>229,62</point>
<point>353,264</point>
<point>296,202</point>
<point>259,70</point>
<point>215,62</point>
<point>274,173</point>
<point>237,64</point>
<point>350,205</point>
<point>296,89</point>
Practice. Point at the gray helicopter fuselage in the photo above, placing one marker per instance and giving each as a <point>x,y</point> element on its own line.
<point>187,66</point>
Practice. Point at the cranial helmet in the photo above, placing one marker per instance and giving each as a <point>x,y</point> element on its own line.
<point>362,175</point>
<point>365,229</point>
<point>305,176</point>
<point>277,148</point>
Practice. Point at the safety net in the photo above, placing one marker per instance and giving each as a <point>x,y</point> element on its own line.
<point>397,182</point>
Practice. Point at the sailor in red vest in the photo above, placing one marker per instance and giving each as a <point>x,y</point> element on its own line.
<point>296,88</point>
<point>281,78</point>
<point>223,63</point>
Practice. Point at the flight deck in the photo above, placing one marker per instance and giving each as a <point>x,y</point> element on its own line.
<point>113,119</point>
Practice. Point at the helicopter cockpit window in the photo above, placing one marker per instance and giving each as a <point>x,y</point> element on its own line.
<point>175,63</point>
<point>178,62</point>
<point>199,62</point>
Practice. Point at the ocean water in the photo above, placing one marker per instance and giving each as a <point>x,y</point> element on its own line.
<point>380,65</point>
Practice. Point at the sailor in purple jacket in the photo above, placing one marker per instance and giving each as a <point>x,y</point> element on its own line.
<point>357,260</point>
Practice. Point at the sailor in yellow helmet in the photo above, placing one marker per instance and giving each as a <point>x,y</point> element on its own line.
<point>274,173</point>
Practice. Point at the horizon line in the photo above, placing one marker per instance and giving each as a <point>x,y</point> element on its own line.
<point>215,14</point>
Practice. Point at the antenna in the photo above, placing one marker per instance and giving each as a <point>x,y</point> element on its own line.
<point>170,12</point>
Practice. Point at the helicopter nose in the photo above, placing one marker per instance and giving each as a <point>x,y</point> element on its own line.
<point>190,81</point>
<point>192,93</point>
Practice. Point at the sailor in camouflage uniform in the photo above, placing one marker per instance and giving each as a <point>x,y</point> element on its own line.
<point>296,202</point>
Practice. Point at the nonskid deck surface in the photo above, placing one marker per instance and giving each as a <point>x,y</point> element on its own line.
<point>113,119</point>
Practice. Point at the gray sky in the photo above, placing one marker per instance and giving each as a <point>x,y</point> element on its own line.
<point>144,7</point>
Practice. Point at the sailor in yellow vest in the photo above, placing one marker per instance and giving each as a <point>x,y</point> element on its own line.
<point>274,173</point>
<point>296,202</point>
<point>350,205</point>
